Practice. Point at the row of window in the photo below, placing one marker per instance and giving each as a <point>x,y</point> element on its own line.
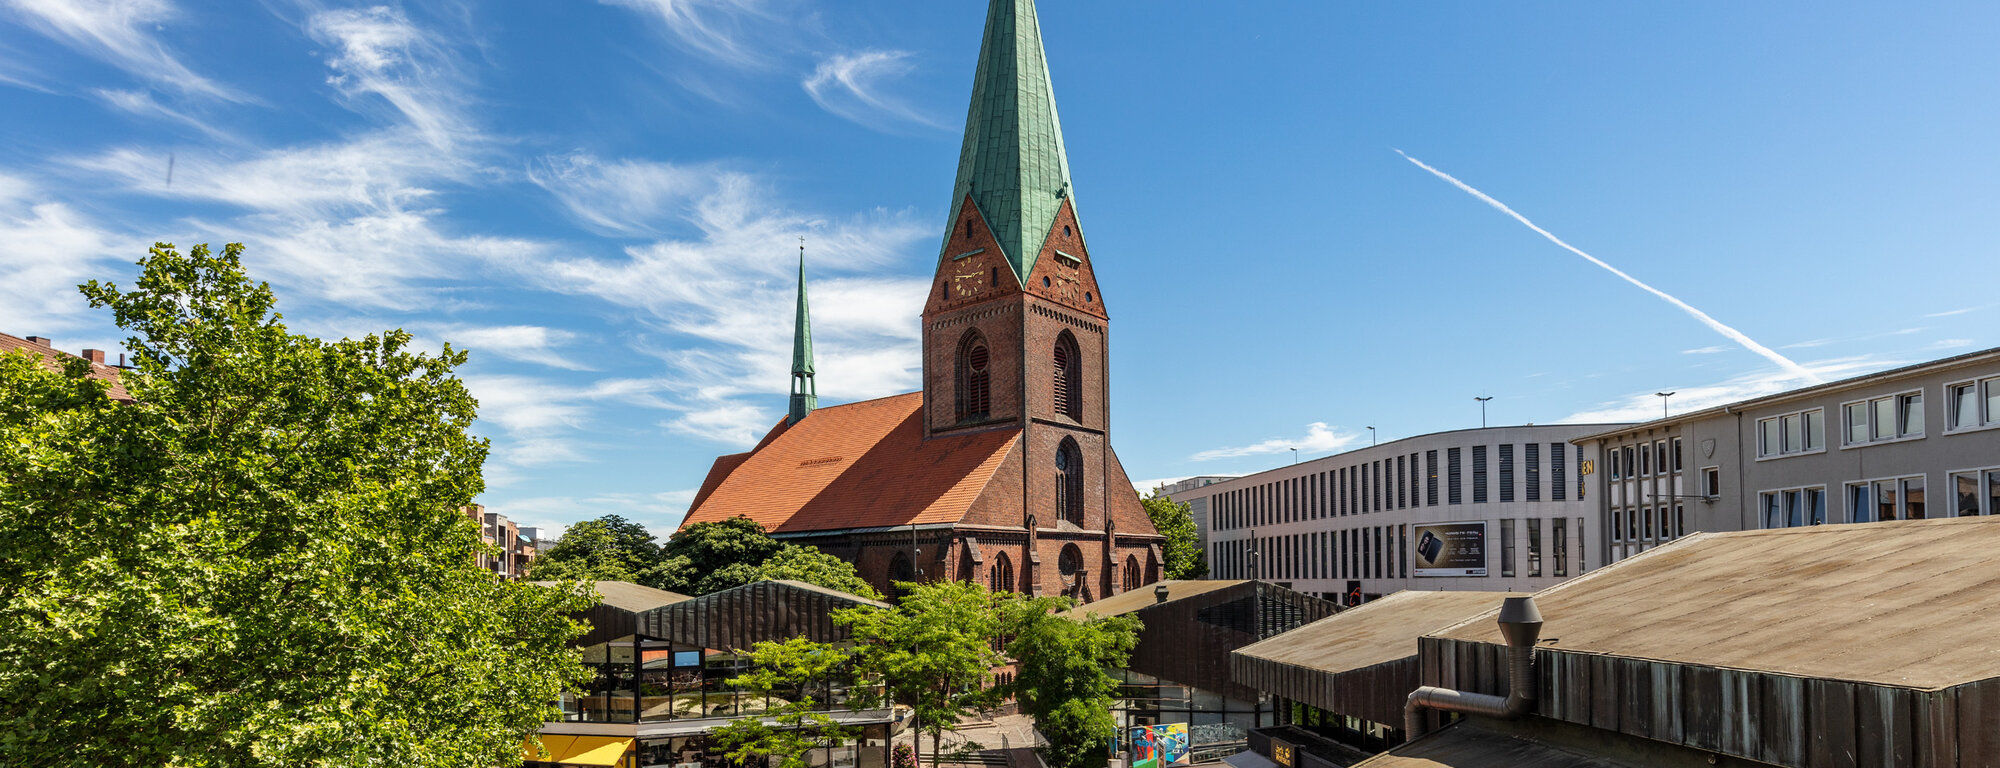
<point>1642,460</point>
<point>1380,552</point>
<point>1393,483</point>
<point>1971,404</point>
<point>1974,493</point>
<point>1648,523</point>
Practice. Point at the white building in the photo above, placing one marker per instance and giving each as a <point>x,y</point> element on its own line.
<point>1493,509</point>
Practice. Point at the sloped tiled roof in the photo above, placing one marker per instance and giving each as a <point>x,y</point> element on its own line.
<point>860,465</point>
<point>54,359</point>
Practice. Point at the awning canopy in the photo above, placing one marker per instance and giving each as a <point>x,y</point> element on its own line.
<point>579,750</point>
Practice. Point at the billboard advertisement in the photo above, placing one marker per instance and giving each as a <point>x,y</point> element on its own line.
<point>1450,549</point>
<point>1159,746</point>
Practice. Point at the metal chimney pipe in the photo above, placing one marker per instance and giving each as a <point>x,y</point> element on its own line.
<point>1521,626</point>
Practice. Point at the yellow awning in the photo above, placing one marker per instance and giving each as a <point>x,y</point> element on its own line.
<point>579,750</point>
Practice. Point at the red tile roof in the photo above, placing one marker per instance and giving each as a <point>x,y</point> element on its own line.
<point>54,359</point>
<point>861,465</point>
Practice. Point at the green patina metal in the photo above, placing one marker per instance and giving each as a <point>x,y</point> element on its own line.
<point>1012,164</point>
<point>805,393</point>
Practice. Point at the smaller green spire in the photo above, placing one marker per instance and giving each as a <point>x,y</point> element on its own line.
<point>805,393</point>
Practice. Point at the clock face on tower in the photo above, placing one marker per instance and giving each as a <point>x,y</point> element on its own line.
<point>970,277</point>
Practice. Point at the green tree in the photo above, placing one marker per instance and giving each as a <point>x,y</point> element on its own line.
<point>263,560</point>
<point>1175,520</point>
<point>712,556</point>
<point>609,548</point>
<point>934,651</point>
<point>1061,675</point>
<point>787,674</point>
<point>802,563</point>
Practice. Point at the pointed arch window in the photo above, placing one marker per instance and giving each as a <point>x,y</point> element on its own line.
<point>1069,481</point>
<point>1131,573</point>
<point>975,378</point>
<point>1001,576</point>
<point>1068,378</point>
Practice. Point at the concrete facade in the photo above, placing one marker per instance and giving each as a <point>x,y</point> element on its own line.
<point>1356,521</point>
<point>1885,446</point>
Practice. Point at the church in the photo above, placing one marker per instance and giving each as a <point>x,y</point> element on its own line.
<point>1000,471</point>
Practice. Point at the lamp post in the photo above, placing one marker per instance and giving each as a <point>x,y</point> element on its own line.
<point>1371,435</point>
<point>1482,410</point>
<point>1663,402</point>
<point>1295,456</point>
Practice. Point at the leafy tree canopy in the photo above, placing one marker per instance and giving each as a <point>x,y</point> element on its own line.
<point>807,564</point>
<point>1061,678</point>
<point>264,559</point>
<point>609,548</point>
<point>788,672</point>
<point>934,650</point>
<point>1174,520</point>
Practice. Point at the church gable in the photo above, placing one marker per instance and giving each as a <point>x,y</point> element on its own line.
<point>973,269</point>
<point>1063,273</point>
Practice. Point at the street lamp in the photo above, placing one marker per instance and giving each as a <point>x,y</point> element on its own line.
<point>1663,402</point>
<point>1482,410</point>
<point>1295,455</point>
<point>1371,435</point>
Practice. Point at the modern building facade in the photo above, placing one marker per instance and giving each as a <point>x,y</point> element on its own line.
<point>1922,441</point>
<point>516,545</point>
<point>1001,469</point>
<point>1492,509</point>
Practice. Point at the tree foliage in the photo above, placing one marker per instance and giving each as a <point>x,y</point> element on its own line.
<point>609,548</point>
<point>1061,676</point>
<point>1175,520</point>
<point>802,563</point>
<point>787,672</point>
<point>261,561</point>
<point>712,556</point>
<point>934,651</point>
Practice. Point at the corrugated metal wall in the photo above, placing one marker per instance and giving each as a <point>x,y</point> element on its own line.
<point>1188,640</point>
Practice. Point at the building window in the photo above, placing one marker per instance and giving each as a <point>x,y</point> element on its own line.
<point>1506,472</point>
<point>1617,525</point>
<point>1507,547</point>
<point>1452,474</point>
<point>1884,418</point>
<point>1898,498</point>
<point>1069,564</point>
<point>1431,478</point>
<point>1558,479</point>
<point>1645,461</point>
<point>1631,468</point>
<point>1793,507</point>
<point>1131,573</point>
<point>1645,524</point>
<point>1068,384</point>
<point>1478,474</point>
<point>1975,497</point>
<point>1973,404</point>
<point>1069,481</point>
<point>1631,524</point>
<point>1711,482</point>
<point>1534,546</point>
<point>1532,456</point>
<point>1677,449</point>
<point>1001,576</point>
<point>1792,433</point>
<point>1617,470</point>
<point>1559,545</point>
<point>975,388</point>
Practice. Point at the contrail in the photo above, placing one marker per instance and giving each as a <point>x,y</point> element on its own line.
<point>1715,325</point>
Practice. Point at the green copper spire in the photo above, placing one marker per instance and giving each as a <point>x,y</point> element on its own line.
<point>1012,162</point>
<point>805,393</point>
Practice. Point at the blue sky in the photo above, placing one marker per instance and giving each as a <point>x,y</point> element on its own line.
<point>602,201</point>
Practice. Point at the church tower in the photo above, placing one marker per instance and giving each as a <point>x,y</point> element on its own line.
<point>1015,326</point>
<point>805,392</point>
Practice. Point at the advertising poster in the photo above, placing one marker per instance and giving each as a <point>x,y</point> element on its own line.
<point>1450,549</point>
<point>1159,746</point>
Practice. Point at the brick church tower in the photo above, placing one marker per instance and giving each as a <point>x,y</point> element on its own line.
<point>1001,470</point>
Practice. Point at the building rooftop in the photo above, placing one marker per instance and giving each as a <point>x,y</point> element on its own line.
<point>860,465</point>
<point>1144,597</point>
<point>1911,603</point>
<point>627,596</point>
<point>54,358</point>
<point>1373,633</point>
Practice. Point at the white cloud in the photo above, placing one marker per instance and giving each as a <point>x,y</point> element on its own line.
<point>526,343</point>
<point>1950,344</point>
<point>382,55</point>
<point>1705,350</point>
<point>51,248</point>
<point>1319,438</point>
<point>142,104</point>
<point>732,32</point>
<point>621,197</point>
<point>1951,312</point>
<point>852,86</point>
<point>1645,406</point>
<point>732,284</point>
<point>117,32</point>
